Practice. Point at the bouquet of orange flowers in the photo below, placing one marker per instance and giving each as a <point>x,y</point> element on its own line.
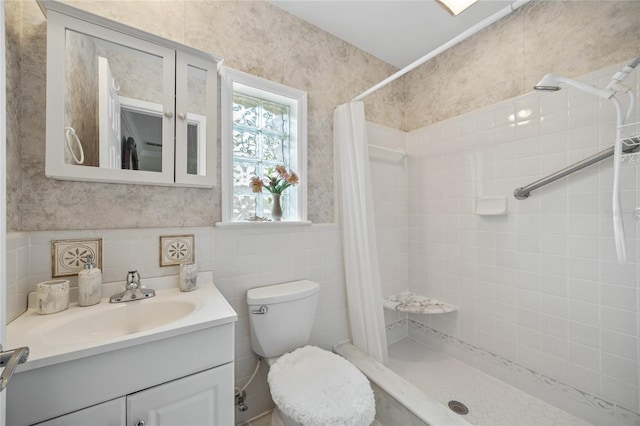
<point>277,180</point>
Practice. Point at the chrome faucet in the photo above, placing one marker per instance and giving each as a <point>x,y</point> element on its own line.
<point>134,290</point>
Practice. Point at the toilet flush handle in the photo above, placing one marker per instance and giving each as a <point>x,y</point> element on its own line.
<point>263,310</point>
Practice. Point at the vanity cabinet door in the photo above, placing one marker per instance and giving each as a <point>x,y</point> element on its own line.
<point>200,399</point>
<point>110,413</point>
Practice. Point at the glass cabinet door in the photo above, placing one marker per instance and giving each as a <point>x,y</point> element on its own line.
<point>196,93</point>
<point>127,106</point>
<point>110,105</point>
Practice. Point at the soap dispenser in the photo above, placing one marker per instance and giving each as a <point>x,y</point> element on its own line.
<point>89,284</point>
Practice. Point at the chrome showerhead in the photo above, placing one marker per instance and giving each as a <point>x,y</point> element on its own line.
<point>551,82</point>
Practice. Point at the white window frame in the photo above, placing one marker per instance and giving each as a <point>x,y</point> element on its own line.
<point>269,90</point>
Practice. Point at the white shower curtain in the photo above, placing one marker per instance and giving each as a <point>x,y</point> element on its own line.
<point>355,209</point>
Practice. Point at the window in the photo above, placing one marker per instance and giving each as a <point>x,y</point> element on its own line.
<point>263,126</point>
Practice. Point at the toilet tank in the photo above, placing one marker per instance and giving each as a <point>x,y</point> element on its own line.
<point>285,322</point>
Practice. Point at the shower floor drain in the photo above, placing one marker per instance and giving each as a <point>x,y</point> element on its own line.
<point>458,407</point>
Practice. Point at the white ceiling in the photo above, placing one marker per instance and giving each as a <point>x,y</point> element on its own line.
<point>398,32</point>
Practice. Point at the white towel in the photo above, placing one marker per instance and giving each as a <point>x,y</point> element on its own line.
<point>316,388</point>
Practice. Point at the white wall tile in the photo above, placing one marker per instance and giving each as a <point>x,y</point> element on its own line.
<point>582,268</point>
<point>554,346</point>
<point>584,290</point>
<point>552,123</point>
<point>618,297</point>
<point>548,269</point>
<point>554,305</point>
<point>619,392</point>
<point>554,326</point>
<point>584,114</point>
<point>583,334</point>
<point>583,224</point>
<point>576,98</point>
<point>622,345</point>
<point>553,285</point>
<point>619,368</point>
<point>618,320</point>
<point>582,312</point>
<point>553,102</point>
<point>554,265</point>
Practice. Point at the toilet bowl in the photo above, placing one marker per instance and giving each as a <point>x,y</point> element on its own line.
<point>309,385</point>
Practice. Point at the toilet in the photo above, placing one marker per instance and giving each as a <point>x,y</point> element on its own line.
<point>309,385</point>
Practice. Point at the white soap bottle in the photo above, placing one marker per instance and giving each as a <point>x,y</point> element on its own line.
<point>89,284</point>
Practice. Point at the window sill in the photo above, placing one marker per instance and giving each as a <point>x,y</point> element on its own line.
<point>263,225</point>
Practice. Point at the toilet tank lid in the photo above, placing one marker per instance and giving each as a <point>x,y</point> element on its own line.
<point>280,293</point>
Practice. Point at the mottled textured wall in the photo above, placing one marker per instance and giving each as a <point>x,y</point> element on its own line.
<point>14,157</point>
<point>252,36</point>
<point>500,62</point>
<point>81,94</point>
<point>505,60</point>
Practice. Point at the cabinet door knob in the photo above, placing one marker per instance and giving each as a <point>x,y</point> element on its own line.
<point>139,423</point>
<point>168,114</point>
<point>182,116</point>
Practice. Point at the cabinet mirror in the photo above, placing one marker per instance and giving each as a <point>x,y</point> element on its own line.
<point>126,106</point>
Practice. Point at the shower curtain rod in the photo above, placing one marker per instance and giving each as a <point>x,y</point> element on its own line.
<point>463,35</point>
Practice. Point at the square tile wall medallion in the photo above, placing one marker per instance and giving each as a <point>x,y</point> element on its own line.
<point>176,249</point>
<point>68,257</point>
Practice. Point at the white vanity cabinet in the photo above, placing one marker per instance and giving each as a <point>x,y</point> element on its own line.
<point>163,378</point>
<point>127,106</point>
<point>204,398</point>
<point>133,369</point>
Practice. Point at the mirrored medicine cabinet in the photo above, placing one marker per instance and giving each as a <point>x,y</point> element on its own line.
<point>126,106</point>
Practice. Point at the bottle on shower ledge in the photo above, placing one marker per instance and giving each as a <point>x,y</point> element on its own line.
<point>89,284</point>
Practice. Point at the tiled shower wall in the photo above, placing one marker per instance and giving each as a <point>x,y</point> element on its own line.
<point>241,258</point>
<point>390,204</point>
<point>540,286</point>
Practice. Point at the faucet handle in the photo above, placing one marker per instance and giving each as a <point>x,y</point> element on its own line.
<point>134,290</point>
<point>133,279</point>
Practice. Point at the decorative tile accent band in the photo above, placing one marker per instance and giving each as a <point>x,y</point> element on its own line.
<point>396,324</point>
<point>593,401</point>
<point>68,257</point>
<point>177,249</point>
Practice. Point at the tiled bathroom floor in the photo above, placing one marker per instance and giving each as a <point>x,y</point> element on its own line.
<point>490,401</point>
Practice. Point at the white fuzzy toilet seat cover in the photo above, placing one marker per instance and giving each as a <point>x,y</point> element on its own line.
<point>316,387</point>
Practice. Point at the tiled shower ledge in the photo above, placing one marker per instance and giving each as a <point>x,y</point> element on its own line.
<point>416,304</point>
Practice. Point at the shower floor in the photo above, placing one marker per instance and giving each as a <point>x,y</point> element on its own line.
<point>490,401</point>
